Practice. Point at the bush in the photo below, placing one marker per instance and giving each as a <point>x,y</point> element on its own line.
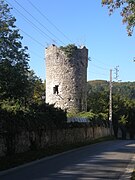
<point>69,50</point>
<point>36,119</point>
<point>100,119</point>
<point>11,124</point>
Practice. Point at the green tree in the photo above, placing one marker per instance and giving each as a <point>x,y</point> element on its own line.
<point>123,104</point>
<point>98,96</point>
<point>36,89</point>
<point>13,58</point>
<point>131,118</point>
<point>127,11</point>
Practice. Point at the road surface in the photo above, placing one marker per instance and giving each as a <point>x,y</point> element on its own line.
<point>105,160</point>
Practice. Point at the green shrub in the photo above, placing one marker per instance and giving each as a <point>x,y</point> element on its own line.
<point>69,50</point>
<point>36,119</point>
<point>100,119</point>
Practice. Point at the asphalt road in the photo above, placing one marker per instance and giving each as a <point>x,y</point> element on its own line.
<point>105,160</point>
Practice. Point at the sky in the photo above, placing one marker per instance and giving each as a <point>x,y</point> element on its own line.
<point>79,22</point>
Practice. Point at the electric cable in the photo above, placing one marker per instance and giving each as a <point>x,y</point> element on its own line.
<point>39,22</point>
<point>49,20</point>
<point>31,37</point>
<point>26,19</point>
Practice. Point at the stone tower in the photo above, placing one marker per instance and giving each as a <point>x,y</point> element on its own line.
<point>66,77</point>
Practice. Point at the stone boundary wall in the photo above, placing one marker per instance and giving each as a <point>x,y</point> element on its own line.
<point>24,140</point>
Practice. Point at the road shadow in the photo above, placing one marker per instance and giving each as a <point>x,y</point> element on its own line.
<point>105,160</point>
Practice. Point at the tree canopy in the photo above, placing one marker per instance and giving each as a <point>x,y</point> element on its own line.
<point>13,57</point>
<point>127,11</point>
<point>21,91</point>
<point>123,102</point>
<point>18,84</point>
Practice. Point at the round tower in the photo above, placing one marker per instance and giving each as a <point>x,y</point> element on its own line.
<point>66,77</point>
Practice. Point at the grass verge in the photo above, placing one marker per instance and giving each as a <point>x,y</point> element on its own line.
<point>22,158</point>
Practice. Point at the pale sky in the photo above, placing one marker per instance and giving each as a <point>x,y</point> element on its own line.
<point>80,22</point>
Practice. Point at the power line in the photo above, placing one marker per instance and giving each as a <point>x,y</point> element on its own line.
<point>31,37</point>
<point>26,19</point>
<point>107,66</point>
<point>38,22</point>
<point>35,41</point>
<point>97,73</point>
<point>99,67</point>
<point>48,20</point>
<point>33,52</point>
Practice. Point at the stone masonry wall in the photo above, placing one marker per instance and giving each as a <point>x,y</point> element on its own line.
<point>55,137</point>
<point>70,77</point>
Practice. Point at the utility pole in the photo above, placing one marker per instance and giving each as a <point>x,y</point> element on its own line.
<point>110,103</point>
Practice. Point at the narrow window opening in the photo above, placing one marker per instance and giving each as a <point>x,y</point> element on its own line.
<point>69,99</point>
<point>55,89</point>
<point>80,104</point>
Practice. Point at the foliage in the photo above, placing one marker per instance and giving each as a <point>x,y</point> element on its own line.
<point>21,105</point>
<point>37,118</point>
<point>125,89</point>
<point>11,124</point>
<point>94,119</point>
<point>133,175</point>
<point>19,86</point>
<point>11,105</point>
<point>72,113</point>
<point>123,120</point>
<point>36,89</point>
<point>127,11</point>
<point>97,96</point>
<point>13,58</point>
<point>47,116</point>
<point>89,115</point>
<point>69,50</point>
<point>123,103</point>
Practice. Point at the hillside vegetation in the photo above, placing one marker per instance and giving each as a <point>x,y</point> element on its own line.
<point>123,97</point>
